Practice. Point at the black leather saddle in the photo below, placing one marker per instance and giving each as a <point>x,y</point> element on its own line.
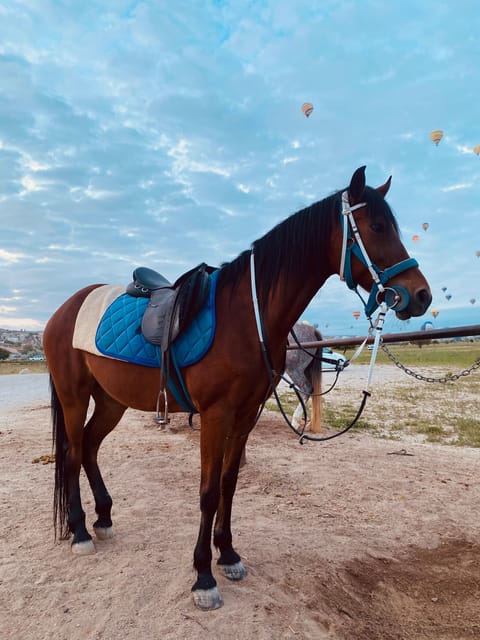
<point>172,307</point>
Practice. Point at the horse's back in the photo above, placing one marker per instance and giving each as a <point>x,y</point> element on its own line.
<point>66,314</point>
<point>58,333</point>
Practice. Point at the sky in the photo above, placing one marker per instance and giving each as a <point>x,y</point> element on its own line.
<point>165,134</point>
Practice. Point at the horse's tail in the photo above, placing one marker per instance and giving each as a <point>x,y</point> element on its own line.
<point>316,380</point>
<point>60,444</point>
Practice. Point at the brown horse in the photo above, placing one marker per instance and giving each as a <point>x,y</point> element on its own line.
<point>227,387</point>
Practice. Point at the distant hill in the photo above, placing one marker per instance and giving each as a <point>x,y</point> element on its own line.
<point>22,344</point>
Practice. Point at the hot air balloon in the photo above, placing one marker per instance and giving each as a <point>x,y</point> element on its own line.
<point>307,108</point>
<point>448,296</point>
<point>426,326</point>
<point>472,300</point>
<point>476,149</point>
<point>434,312</point>
<point>444,289</point>
<point>415,238</point>
<point>436,135</point>
<point>477,253</point>
<point>425,226</point>
<point>356,315</point>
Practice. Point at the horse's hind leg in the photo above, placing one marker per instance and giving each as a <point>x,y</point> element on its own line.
<point>105,417</point>
<point>68,460</point>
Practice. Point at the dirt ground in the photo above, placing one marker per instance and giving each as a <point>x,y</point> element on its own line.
<point>360,538</point>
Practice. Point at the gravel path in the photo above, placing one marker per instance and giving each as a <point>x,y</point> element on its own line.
<point>23,390</point>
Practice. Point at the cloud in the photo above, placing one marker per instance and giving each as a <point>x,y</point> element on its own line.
<point>143,134</point>
<point>9,257</point>
<point>456,187</point>
<point>464,148</point>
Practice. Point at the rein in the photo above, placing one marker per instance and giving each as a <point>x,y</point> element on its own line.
<point>338,368</point>
<point>271,373</point>
<point>321,358</point>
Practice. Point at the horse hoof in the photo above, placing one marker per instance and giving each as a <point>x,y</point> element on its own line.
<point>85,548</point>
<point>103,533</point>
<point>234,571</point>
<point>207,599</point>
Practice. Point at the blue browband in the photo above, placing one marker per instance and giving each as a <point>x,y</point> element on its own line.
<point>395,297</point>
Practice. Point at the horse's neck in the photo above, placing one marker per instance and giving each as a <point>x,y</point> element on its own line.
<point>287,303</point>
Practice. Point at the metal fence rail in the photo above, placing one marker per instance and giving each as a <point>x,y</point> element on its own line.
<point>408,336</point>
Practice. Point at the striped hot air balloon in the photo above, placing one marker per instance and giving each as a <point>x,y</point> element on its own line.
<point>436,135</point>
<point>356,314</point>
<point>307,108</point>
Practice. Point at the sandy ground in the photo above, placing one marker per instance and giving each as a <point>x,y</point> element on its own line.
<point>346,540</point>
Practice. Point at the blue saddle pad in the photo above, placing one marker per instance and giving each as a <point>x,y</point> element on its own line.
<point>119,333</point>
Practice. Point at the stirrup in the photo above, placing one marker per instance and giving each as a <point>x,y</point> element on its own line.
<point>159,419</point>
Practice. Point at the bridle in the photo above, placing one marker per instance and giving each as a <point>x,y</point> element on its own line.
<point>395,297</point>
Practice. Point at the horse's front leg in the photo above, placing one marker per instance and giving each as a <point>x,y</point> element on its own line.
<point>229,559</point>
<point>205,592</point>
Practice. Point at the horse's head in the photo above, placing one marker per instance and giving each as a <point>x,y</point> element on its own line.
<point>372,253</point>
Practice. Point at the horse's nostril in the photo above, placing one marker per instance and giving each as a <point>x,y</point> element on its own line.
<point>424,297</point>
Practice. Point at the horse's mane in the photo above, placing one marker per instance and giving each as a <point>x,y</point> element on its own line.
<point>296,245</point>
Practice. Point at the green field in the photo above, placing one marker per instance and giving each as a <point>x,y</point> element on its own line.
<point>15,366</point>
<point>441,354</point>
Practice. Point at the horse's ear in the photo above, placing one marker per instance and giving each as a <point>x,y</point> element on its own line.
<point>357,185</point>
<point>383,190</point>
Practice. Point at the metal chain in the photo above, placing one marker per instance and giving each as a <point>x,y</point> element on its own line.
<point>448,378</point>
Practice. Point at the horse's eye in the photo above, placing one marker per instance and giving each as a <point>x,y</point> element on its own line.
<point>377,227</point>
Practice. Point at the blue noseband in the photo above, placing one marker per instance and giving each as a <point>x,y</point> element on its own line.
<point>396,297</point>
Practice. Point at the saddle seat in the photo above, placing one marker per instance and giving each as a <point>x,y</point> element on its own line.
<point>145,281</point>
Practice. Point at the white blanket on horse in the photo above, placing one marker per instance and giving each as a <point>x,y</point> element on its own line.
<point>90,314</point>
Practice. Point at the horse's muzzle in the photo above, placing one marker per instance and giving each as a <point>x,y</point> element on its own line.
<point>419,303</point>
